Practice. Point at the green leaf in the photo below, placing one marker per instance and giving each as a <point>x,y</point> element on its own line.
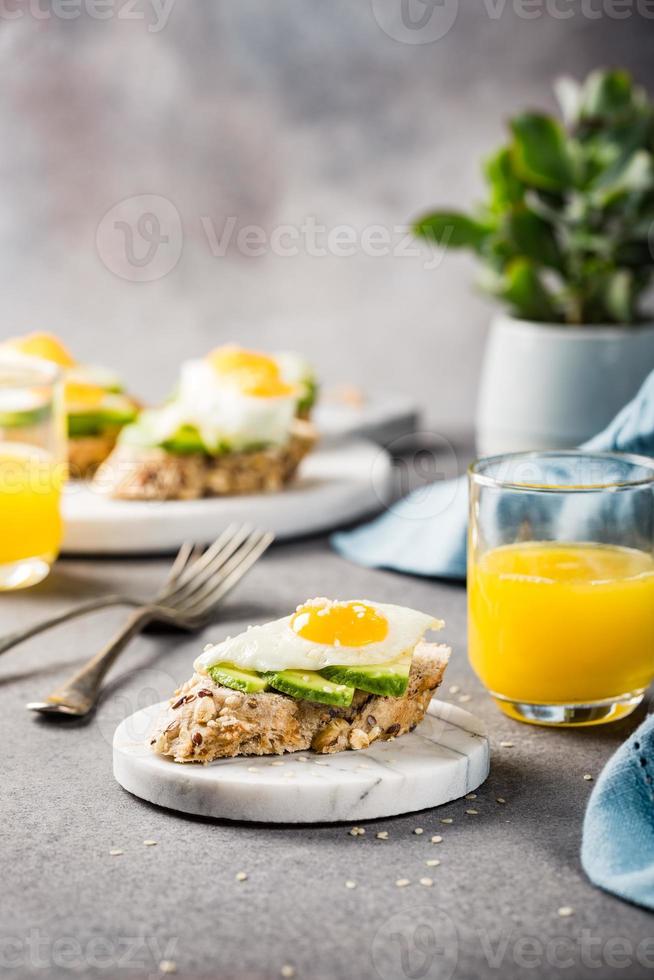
<point>539,152</point>
<point>505,187</point>
<point>568,95</point>
<point>636,173</point>
<point>451,229</point>
<point>533,237</point>
<point>607,94</point>
<point>619,295</point>
<point>522,287</point>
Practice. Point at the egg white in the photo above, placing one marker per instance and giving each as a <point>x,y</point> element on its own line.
<point>275,645</point>
<point>223,413</point>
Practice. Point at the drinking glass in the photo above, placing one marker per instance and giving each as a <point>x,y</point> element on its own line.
<point>561,583</point>
<point>32,470</point>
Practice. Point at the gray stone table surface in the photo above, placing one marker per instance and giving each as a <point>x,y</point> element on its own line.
<point>69,908</point>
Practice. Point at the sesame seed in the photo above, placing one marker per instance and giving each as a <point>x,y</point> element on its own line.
<point>436,839</point>
<point>506,745</point>
<point>500,799</point>
<point>150,843</point>
<point>473,813</point>
<point>277,763</point>
<point>382,835</point>
<point>454,689</point>
<point>301,758</point>
<point>287,971</point>
<point>427,882</point>
<point>588,777</point>
<point>350,884</point>
<point>115,851</point>
<point>241,876</point>
<point>252,768</point>
<point>432,863</point>
<point>168,966</point>
<point>418,831</point>
<point>565,911</point>
<point>357,832</point>
<point>321,763</point>
<point>471,796</point>
<point>465,698</point>
<point>402,882</point>
<point>447,820</point>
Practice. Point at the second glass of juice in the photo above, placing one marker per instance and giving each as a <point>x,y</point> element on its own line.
<point>561,584</point>
<point>32,470</point>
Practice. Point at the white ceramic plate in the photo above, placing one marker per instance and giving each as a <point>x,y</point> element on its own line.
<point>446,757</point>
<point>336,484</point>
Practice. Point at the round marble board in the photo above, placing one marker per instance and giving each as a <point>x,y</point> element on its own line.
<point>338,483</point>
<point>445,757</point>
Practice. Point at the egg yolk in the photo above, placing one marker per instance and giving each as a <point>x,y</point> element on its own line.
<point>43,345</point>
<point>348,624</point>
<point>83,396</point>
<point>253,373</point>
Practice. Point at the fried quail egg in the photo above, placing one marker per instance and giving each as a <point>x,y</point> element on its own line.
<point>324,632</point>
<point>233,396</point>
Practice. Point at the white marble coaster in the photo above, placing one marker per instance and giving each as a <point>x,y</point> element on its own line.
<point>446,757</point>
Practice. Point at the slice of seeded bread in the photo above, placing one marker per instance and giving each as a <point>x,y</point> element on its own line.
<point>136,473</point>
<point>86,453</point>
<point>205,721</point>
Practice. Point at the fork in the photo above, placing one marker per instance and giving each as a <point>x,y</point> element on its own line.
<point>186,554</point>
<point>197,583</point>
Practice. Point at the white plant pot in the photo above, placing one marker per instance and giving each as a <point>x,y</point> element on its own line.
<point>548,386</point>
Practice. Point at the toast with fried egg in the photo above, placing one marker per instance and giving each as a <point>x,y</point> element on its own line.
<point>238,423</point>
<point>96,405</point>
<point>243,706</point>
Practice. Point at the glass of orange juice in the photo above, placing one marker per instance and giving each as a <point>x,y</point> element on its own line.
<point>32,470</point>
<point>561,584</point>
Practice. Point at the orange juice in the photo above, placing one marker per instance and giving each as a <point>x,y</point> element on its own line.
<point>558,623</point>
<point>30,490</point>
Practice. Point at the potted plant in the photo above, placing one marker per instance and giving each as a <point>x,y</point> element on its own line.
<point>566,239</point>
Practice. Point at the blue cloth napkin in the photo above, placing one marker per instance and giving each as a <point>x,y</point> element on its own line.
<point>425,533</point>
<point>617,851</point>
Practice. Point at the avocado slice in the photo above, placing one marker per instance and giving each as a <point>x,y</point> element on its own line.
<point>117,412</point>
<point>238,678</point>
<point>388,680</point>
<point>25,417</point>
<point>187,439</point>
<point>308,685</point>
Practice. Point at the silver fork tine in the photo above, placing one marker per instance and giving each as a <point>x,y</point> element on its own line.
<point>182,559</point>
<point>225,580</point>
<point>200,572</point>
<point>235,577</point>
<point>208,554</point>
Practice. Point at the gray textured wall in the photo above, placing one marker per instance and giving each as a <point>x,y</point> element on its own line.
<point>268,114</point>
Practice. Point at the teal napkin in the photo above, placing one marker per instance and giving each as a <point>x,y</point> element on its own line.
<point>617,851</point>
<point>425,533</point>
